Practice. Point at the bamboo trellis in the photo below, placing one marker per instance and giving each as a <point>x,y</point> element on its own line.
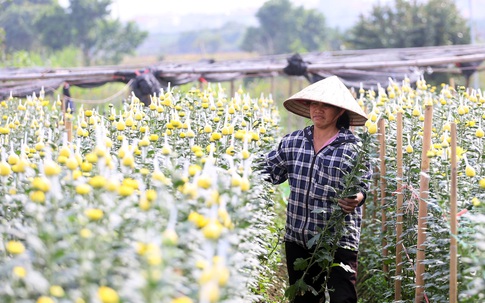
<point>354,67</point>
<point>423,206</point>
<point>453,219</point>
<point>399,207</point>
<point>420,295</point>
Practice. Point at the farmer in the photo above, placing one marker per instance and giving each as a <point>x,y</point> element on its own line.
<point>313,161</point>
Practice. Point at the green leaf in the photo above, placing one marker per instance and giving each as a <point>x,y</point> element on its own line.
<point>346,267</point>
<point>291,292</point>
<point>313,240</point>
<point>300,264</point>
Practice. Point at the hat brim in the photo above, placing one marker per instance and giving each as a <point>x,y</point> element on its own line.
<point>329,91</point>
<point>298,107</point>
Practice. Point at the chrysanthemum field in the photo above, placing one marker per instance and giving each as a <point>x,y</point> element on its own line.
<point>166,203</point>
<point>155,204</point>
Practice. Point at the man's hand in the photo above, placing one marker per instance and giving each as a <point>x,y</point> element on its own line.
<point>349,204</point>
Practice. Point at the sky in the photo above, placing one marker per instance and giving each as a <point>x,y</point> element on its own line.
<point>144,10</point>
<point>130,9</point>
<point>338,13</point>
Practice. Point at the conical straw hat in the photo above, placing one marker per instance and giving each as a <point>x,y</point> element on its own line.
<point>331,91</point>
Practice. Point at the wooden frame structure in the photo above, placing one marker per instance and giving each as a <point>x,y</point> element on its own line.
<point>354,67</point>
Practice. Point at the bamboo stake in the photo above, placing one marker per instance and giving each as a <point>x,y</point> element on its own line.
<point>374,195</point>
<point>271,85</point>
<point>423,207</point>
<point>290,93</point>
<point>68,124</point>
<point>232,88</point>
<point>383,183</point>
<point>290,86</point>
<point>364,206</point>
<point>67,121</point>
<point>399,208</point>
<point>453,219</point>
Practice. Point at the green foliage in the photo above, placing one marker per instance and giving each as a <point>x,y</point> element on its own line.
<point>199,42</point>
<point>44,26</point>
<point>55,33</point>
<point>18,21</point>
<point>2,44</point>
<point>100,38</point>
<point>376,284</point>
<point>115,41</point>
<point>285,28</point>
<point>271,287</point>
<point>204,41</point>
<point>410,24</point>
<point>474,257</point>
<point>69,56</point>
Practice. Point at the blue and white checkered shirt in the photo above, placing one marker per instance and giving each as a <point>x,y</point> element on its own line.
<point>312,178</point>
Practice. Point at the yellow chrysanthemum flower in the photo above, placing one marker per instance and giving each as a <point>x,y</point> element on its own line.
<point>108,295</point>
<point>94,214</point>
<point>15,247</point>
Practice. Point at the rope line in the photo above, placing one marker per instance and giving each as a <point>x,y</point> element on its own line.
<point>105,100</point>
<point>95,101</point>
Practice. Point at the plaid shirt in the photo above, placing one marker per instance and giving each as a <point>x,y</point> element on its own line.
<point>312,178</point>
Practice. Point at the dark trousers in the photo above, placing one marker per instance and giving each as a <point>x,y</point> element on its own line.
<point>341,283</point>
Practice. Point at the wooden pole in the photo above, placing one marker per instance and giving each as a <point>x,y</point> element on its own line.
<point>453,219</point>
<point>68,124</point>
<point>383,185</point>
<point>291,122</point>
<point>232,88</point>
<point>67,121</point>
<point>290,86</point>
<point>374,195</point>
<point>423,207</point>
<point>271,86</point>
<point>331,61</point>
<point>399,208</point>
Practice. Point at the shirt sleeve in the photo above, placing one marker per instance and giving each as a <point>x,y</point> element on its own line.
<point>276,164</point>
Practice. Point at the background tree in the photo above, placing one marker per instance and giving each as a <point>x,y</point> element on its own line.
<point>208,42</point>
<point>55,27</point>
<point>45,26</point>
<point>224,39</point>
<point>199,42</point>
<point>116,40</point>
<point>18,20</point>
<point>410,24</point>
<point>445,24</point>
<point>285,28</point>
<point>100,38</point>
<point>2,44</point>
